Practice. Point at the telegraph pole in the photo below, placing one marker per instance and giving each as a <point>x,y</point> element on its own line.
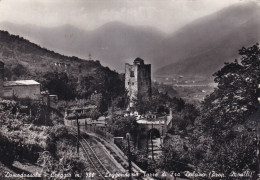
<point>152,141</point>
<point>257,129</point>
<point>257,148</point>
<point>129,156</point>
<point>147,144</point>
<point>77,118</point>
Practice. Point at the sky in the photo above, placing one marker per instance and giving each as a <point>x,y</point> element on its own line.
<point>166,15</point>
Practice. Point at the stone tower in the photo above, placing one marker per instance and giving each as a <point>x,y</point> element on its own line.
<point>1,78</point>
<point>138,81</point>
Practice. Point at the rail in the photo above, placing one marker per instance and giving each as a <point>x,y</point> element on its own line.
<point>94,160</point>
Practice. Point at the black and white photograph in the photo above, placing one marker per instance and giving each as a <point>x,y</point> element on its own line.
<point>129,89</point>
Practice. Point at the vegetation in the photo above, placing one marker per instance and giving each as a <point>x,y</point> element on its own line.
<point>218,136</point>
<point>22,141</point>
<point>52,147</point>
<point>184,118</point>
<point>162,99</point>
<point>124,125</point>
<point>60,155</point>
<point>68,77</point>
<point>224,136</point>
<point>228,108</point>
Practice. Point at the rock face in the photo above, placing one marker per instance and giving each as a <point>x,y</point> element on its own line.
<point>138,81</point>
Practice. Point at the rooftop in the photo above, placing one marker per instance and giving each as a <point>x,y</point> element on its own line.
<point>138,61</point>
<point>159,122</point>
<point>21,83</point>
<point>145,121</point>
<point>81,108</point>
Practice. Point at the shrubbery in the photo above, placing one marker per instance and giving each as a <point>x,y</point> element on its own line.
<point>57,141</point>
<point>60,155</point>
<point>7,153</point>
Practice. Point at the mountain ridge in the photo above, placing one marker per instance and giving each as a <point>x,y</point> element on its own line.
<point>218,48</point>
<point>111,41</point>
<point>202,40</point>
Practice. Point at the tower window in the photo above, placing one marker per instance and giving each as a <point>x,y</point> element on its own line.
<point>128,83</point>
<point>133,83</point>
<point>132,74</point>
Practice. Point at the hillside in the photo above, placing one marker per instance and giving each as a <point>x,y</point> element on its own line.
<point>17,50</point>
<point>203,46</point>
<point>114,43</point>
<point>68,77</point>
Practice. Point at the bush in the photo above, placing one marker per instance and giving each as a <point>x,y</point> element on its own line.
<point>56,134</point>
<point>7,154</point>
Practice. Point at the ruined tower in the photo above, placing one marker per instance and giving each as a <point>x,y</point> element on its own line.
<point>138,81</point>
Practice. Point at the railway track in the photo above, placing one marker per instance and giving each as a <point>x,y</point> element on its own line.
<point>96,163</point>
<point>120,155</point>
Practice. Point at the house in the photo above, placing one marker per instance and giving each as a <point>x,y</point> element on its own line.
<point>21,89</point>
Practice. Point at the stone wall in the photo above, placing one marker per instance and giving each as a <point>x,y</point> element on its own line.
<point>131,82</point>
<point>144,81</point>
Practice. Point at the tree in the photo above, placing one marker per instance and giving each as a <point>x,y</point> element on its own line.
<point>60,84</point>
<point>6,150</point>
<point>230,106</point>
<point>143,106</point>
<point>174,159</point>
<point>19,70</point>
<point>125,125</point>
<point>160,102</point>
<point>235,98</point>
<point>94,113</point>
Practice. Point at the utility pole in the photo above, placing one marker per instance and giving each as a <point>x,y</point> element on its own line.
<point>257,131</point>
<point>77,118</point>
<point>257,146</point>
<point>257,150</point>
<point>106,128</point>
<point>152,141</point>
<point>147,144</point>
<point>129,156</point>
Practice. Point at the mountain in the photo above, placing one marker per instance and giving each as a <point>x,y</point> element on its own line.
<point>113,43</point>
<point>202,47</point>
<point>67,77</point>
<point>17,50</point>
<point>198,49</point>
